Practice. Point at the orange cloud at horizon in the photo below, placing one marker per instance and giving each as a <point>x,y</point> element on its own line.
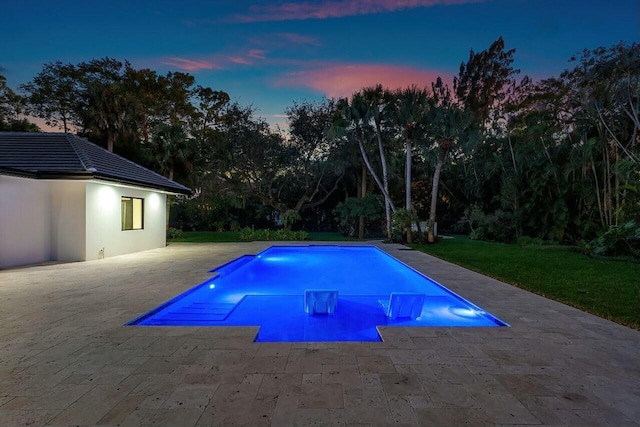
<point>44,127</point>
<point>342,80</point>
<point>336,9</point>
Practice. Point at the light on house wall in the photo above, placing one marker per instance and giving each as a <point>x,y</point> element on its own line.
<point>107,198</point>
<point>154,201</point>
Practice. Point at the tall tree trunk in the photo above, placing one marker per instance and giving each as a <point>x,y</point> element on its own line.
<point>434,197</point>
<point>595,180</point>
<point>387,207</point>
<point>407,185</point>
<point>383,186</point>
<point>168,201</point>
<point>110,139</point>
<point>385,180</point>
<point>607,186</point>
<point>616,188</point>
<point>407,175</point>
<point>167,212</point>
<point>363,194</point>
<point>513,156</point>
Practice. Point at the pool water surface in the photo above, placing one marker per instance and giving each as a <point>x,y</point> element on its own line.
<point>267,290</point>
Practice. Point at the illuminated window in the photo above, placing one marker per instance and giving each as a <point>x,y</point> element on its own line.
<point>132,213</point>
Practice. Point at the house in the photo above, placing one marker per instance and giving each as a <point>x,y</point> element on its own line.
<point>63,198</point>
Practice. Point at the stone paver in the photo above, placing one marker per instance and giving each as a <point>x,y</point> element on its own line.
<point>67,359</point>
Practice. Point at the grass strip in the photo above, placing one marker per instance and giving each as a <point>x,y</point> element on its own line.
<point>606,288</point>
<point>207,237</point>
<point>234,236</point>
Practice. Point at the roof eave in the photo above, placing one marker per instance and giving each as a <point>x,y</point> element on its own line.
<point>166,189</point>
<point>89,175</point>
<point>19,173</point>
<point>72,175</point>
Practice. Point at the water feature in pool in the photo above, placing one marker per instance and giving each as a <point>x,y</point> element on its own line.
<point>267,290</point>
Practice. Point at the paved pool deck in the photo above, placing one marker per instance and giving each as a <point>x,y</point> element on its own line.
<point>67,360</point>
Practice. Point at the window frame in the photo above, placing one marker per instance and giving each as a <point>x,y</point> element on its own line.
<point>123,223</point>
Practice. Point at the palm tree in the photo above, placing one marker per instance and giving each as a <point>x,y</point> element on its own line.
<point>170,147</point>
<point>377,101</point>
<point>361,118</point>
<point>447,123</point>
<point>409,115</point>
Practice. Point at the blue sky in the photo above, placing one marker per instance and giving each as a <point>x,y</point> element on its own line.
<point>270,53</point>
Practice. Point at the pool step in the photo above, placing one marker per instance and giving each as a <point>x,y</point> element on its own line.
<point>197,311</point>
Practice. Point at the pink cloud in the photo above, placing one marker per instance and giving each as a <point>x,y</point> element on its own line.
<point>335,9</point>
<point>246,58</point>
<point>191,65</point>
<point>340,80</point>
<point>257,53</point>
<point>240,60</point>
<point>215,62</point>
<point>299,39</point>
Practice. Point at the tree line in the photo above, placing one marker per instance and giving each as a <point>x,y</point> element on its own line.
<point>496,155</point>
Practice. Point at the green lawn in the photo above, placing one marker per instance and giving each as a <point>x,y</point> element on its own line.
<point>610,289</point>
<point>234,236</point>
<point>207,237</point>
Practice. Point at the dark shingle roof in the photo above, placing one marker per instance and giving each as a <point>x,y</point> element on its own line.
<point>67,156</point>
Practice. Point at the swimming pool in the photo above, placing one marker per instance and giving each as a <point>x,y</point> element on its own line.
<point>267,290</point>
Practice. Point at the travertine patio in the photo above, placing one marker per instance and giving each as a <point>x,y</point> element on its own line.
<point>66,359</point>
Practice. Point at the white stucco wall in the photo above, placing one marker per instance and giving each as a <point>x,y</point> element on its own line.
<point>103,221</point>
<point>72,221</point>
<point>68,220</point>
<point>24,221</point>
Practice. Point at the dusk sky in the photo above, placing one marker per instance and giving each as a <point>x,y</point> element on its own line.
<point>270,53</point>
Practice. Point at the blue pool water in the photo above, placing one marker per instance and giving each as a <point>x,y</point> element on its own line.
<point>267,290</point>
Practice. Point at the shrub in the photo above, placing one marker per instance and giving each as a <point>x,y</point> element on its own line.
<point>534,241</point>
<point>261,235</point>
<point>290,217</point>
<point>400,221</point>
<point>185,215</point>
<point>217,213</point>
<point>499,226</point>
<point>348,212</point>
<point>623,240</point>
<point>584,247</point>
<point>249,234</point>
<point>174,233</point>
<point>246,234</point>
